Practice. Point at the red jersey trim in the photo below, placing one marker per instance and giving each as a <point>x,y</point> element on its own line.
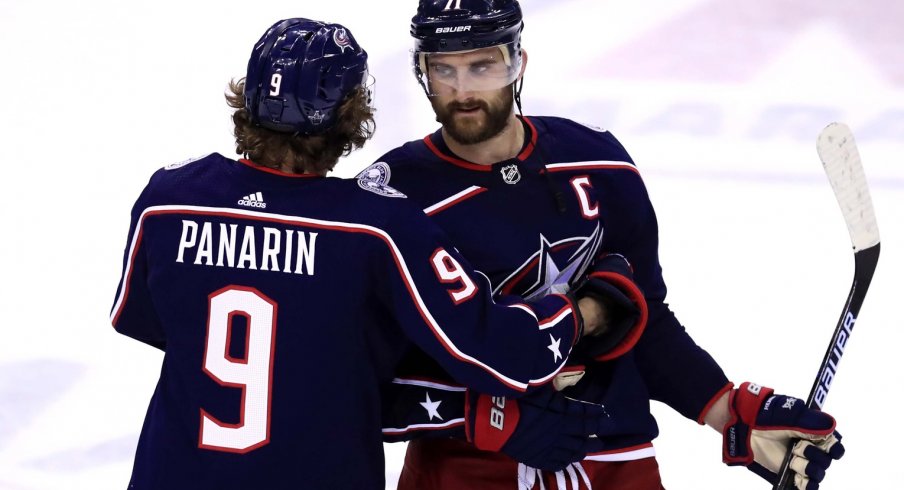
<point>526,152</point>
<point>523,155</point>
<point>453,160</point>
<point>273,171</point>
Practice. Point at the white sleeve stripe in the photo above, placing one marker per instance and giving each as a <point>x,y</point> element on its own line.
<point>428,384</point>
<point>526,309</point>
<point>545,379</point>
<point>645,452</point>
<point>452,199</point>
<point>332,225</point>
<point>552,322</point>
<point>444,425</point>
<point>614,164</point>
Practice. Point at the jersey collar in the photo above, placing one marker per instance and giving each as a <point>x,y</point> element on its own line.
<point>272,171</point>
<point>437,145</point>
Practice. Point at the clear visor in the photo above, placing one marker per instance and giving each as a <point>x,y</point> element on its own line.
<point>477,70</point>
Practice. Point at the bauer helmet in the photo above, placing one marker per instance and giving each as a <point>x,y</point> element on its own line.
<point>443,27</point>
<point>299,72</point>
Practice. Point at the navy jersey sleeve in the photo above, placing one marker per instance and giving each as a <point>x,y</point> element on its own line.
<point>675,369</point>
<point>133,313</point>
<point>418,407</point>
<point>497,346</point>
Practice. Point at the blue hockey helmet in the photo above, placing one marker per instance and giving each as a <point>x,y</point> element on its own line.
<point>299,72</point>
<point>443,27</point>
<point>461,25</point>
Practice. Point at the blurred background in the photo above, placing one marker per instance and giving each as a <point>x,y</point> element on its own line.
<point>719,103</point>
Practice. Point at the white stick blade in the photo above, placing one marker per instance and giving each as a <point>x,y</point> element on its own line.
<point>841,161</point>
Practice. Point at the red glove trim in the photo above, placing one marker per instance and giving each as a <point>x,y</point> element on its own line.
<point>633,293</point>
<point>744,405</point>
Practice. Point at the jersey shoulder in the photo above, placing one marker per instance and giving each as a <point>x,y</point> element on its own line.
<point>178,179</point>
<point>405,167</point>
<point>583,141</point>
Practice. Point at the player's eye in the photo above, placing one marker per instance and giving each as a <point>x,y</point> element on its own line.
<point>442,71</point>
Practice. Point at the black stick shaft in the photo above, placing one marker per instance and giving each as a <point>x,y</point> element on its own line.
<point>864,266</point>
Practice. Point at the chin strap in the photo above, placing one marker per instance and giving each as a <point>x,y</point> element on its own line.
<point>516,90</point>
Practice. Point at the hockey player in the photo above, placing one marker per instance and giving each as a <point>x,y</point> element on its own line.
<point>282,298</point>
<point>527,200</point>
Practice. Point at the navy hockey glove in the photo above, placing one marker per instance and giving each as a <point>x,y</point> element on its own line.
<point>544,429</point>
<point>610,281</point>
<point>762,426</point>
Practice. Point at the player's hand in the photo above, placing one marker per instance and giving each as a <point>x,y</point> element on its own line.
<point>616,318</point>
<point>762,426</point>
<point>593,314</point>
<point>544,429</point>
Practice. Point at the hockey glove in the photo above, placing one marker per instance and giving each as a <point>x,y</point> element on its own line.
<point>610,281</point>
<point>544,429</point>
<point>762,426</point>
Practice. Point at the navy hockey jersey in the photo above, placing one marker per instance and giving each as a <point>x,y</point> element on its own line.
<point>532,224</point>
<point>281,303</point>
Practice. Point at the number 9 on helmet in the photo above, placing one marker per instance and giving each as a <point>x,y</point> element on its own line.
<point>299,73</point>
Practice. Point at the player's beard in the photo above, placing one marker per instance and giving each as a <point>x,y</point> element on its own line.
<point>472,130</point>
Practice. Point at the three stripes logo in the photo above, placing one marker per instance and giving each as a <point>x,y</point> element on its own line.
<point>254,200</point>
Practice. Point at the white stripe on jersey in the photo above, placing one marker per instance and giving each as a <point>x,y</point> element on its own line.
<point>553,167</point>
<point>428,384</point>
<point>451,199</point>
<point>644,452</point>
<point>453,422</point>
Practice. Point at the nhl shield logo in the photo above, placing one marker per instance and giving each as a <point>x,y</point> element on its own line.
<point>511,174</point>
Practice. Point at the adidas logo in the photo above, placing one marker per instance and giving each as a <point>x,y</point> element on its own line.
<point>255,200</point>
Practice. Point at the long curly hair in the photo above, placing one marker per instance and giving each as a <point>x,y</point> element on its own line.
<point>302,153</point>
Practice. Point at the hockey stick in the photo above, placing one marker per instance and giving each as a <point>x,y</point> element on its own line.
<point>841,162</point>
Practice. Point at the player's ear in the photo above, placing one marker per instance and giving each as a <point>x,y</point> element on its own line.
<point>523,62</point>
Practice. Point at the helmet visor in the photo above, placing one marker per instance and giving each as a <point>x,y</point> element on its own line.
<point>476,70</point>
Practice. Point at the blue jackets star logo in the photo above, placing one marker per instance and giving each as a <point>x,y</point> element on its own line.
<point>550,271</point>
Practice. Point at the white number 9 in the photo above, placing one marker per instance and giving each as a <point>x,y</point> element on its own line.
<point>252,373</point>
<point>275,83</point>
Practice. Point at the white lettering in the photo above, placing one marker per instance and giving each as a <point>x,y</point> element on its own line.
<point>253,204</point>
<point>289,236</point>
<point>271,249</point>
<point>247,253</point>
<point>205,248</point>
<point>189,234</point>
<point>260,248</point>
<point>497,415</point>
<point>227,245</point>
<point>820,396</point>
<point>849,322</point>
<point>447,30</point>
<point>306,253</point>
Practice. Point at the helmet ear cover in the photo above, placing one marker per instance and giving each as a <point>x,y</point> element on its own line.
<point>299,72</point>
